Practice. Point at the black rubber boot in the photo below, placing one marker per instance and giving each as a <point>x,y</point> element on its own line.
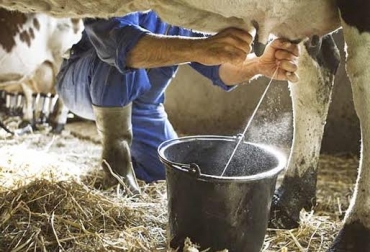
<point>114,127</point>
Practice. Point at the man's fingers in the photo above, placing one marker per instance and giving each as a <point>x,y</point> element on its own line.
<point>239,43</point>
<point>285,55</point>
<point>236,37</point>
<point>241,34</point>
<point>289,66</point>
<point>292,77</point>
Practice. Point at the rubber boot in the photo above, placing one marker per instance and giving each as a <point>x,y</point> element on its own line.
<point>114,127</point>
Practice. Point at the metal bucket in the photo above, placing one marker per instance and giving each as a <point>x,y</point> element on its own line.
<point>219,212</point>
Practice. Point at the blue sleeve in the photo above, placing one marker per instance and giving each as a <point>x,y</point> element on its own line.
<point>212,73</point>
<point>114,38</point>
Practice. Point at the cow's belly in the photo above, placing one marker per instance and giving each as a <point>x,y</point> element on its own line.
<point>314,17</point>
<point>286,18</point>
<point>20,63</point>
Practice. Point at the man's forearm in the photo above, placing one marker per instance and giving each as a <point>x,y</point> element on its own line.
<point>158,51</point>
<point>235,74</point>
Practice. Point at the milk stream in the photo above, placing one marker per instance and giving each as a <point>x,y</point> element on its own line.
<point>241,137</point>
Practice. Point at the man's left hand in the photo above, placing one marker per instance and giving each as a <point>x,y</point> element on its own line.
<point>279,54</point>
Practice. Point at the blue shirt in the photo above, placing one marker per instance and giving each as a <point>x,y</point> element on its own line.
<point>114,38</point>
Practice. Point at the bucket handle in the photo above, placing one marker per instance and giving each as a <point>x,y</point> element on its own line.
<point>240,135</point>
<point>193,169</point>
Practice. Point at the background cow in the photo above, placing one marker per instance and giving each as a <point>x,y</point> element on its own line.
<point>296,21</point>
<point>31,50</point>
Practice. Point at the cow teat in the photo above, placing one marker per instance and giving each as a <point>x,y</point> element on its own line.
<point>258,48</point>
<point>313,45</point>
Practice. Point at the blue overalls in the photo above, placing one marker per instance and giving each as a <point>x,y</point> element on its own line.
<point>96,74</point>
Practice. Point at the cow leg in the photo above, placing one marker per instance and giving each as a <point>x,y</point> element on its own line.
<point>354,236</point>
<point>28,116</point>
<point>58,117</point>
<point>310,100</point>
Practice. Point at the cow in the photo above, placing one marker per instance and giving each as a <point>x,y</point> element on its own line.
<point>306,22</point>
<point>32,47</point>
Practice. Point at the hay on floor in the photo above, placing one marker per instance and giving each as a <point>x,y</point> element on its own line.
<point>45,215</point>
<point>46,205</point>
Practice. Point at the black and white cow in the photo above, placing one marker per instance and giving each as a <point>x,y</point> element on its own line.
<point>295,21</point>
<point>31,50</point>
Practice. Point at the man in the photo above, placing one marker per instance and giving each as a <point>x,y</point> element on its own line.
<point>117,75</point>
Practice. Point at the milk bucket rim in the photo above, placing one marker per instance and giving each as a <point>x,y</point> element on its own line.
<point>281,159</point>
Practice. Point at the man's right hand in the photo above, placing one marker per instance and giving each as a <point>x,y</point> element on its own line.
<point>231,45</point>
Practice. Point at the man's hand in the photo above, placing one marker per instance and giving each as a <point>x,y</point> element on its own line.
<point>279,54</point>
<point>231,45</point>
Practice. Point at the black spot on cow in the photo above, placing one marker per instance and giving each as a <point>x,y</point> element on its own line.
<point>25,37</point>
<point>75,23</point>
<point>356,13</point>
<point>32,34</point>
<point>10,25</point>
<point>36,24</point>
<point>324,51</point>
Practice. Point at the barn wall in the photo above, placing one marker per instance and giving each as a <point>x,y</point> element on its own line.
<point>195,106</point>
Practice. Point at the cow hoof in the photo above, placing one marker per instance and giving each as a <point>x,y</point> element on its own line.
<point>25,123</point>
<point>353,237</point>
<point>281,217</point>
<point>57,128</point>
<point>25,127</point>
<point>294,194</point>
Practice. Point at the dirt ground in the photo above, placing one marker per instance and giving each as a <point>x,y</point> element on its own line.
<point>72,159</point>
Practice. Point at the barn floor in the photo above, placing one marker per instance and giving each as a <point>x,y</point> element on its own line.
<point>52,200</point>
